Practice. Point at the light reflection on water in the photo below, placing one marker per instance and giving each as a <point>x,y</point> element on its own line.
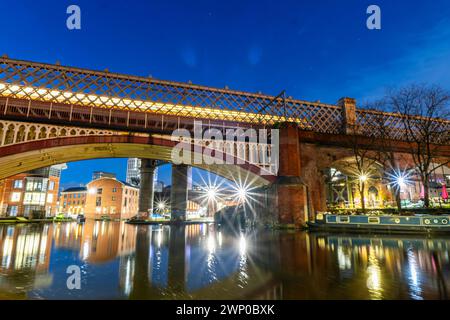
<point>374,276</point>
<point>123,261</point>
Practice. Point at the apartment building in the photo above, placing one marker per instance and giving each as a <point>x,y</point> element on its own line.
<point>72,201</point>
<point>33,194</point>
<point>112,198</point>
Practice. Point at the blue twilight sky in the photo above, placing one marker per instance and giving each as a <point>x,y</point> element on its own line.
<point>315,50</point>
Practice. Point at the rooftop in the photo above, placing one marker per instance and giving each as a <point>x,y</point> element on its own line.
<point>75,189</point>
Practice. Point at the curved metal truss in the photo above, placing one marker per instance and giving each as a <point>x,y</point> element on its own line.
<point>242,152</point>
<point>13,132</point>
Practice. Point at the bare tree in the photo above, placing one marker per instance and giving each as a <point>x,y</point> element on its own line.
<point>384,153</point>
<point>424,112</point>
<point>363,163</point>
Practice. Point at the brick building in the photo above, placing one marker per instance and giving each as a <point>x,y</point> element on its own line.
<point>34,193</point>
<point>112,198</point>
<point>72,201</point>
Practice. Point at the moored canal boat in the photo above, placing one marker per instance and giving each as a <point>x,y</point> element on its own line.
<point>381,223</point>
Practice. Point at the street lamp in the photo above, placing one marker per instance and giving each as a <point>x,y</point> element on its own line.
<point>241,193</point>
<point>161,206</point>
<point>211,193</point>
<point>401,181</point>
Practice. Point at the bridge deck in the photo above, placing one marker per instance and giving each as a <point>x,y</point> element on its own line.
<point>59,93</point>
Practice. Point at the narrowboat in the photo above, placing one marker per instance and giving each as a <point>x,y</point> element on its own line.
<point>381,223</point>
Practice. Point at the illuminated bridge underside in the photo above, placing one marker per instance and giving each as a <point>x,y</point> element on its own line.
<point>27,146</point>
<point>51,92</point>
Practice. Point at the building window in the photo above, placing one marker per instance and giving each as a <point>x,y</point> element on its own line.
<point>126,191</point>
<point>36,198</point>
<point>50,198</point>
<point>51,185</point>
<point>18,184</point>
<point>99,191</point>
<point>113,198</point>
<point>13,210</point>
<point>36,184</point>
<point>98,201</point>
<point>15,196</point>
<point>114,190</point>
<point>125,202</point>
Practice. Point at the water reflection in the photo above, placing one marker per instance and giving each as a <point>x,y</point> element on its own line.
<point>374,276</point>
<point>25,259</point>
<point>392,267</point>
<point>201,262</point>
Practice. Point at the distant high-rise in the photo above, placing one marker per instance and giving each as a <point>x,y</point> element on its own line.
<point>134,171</point>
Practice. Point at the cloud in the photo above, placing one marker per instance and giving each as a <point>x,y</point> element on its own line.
<point>427,61</point>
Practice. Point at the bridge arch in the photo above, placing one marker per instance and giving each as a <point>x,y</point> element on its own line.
<point>25,156</point>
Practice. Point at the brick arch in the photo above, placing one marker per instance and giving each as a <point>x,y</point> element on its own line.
<point>315,159</point>
<point>344,164</point>
<point>25,156</point>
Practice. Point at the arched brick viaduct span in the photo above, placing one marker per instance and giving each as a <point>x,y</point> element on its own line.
<point>303,156</point>
<point>298,191</point>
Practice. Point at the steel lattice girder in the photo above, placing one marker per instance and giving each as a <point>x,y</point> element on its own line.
<point>55,83</point>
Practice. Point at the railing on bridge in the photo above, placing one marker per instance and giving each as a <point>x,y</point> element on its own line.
<point>61,93</point>
<point>378,124</point>
<point>258,154</point>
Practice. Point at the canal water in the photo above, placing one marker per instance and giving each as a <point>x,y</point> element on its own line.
<point>120,261</point>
